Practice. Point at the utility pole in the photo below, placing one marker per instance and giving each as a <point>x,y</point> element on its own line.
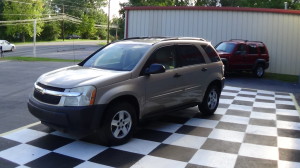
<point>117,29</point>
<point>108,21</point>
<point>34,33</point>
<point>34,38</point>
<point>63,24</point>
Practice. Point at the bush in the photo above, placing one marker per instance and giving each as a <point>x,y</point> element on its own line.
<point>51,32</point>
<point>94,38</point>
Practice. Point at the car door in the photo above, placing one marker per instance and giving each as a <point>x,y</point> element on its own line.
<point>252,55</point>
<point>162,89</point>
<point>237,60</point>
<point>6,46</point>
<point>193,72</point>
<point>2,44</point>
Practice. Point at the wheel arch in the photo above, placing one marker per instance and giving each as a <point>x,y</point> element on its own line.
<point>218,83</point>
<point>259,62</point>
<point>125,98</point>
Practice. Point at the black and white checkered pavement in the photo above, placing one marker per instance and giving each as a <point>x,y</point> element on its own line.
<point>251,128</point>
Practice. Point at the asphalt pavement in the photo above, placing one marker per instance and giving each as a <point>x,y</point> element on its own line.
<point>17,79</point>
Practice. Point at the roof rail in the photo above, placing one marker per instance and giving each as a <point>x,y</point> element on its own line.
<point>257,41</point>
<point>166,38</point>
<point>184,38</point>
<point>146,37</point>
<point>238,40</point>
<point>245,40</point>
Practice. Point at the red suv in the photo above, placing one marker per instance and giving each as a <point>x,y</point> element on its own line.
<point>244,55</point>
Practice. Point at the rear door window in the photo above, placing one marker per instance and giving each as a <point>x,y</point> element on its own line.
<point>188,55</point>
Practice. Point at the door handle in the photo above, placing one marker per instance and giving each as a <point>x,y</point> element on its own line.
<point>177,75</point>
<point>204,69</point>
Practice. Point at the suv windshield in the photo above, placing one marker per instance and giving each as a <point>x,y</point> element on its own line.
<point>225,47</point>
<point>118,56</point>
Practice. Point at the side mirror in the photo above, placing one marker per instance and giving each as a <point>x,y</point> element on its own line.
<point>155,69</point>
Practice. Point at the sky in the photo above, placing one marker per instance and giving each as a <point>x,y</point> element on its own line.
<point>114,7</point>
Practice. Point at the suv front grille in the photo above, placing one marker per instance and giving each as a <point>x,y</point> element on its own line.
<point>51,87</point>
<point>46,98</point>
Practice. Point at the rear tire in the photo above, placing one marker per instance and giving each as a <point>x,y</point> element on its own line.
<point>210,101</point>
<point>118,124</point>
<point>259,71</point>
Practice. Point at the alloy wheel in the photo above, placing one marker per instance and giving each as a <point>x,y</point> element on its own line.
<point>121,124</point>
<point>212,99</point>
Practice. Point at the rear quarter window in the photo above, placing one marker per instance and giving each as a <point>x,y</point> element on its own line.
<point>252,49</point>
<point>211,53</point>
<point>262,49</point>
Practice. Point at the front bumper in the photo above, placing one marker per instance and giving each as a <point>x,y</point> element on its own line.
<point>222,83</point>
<point>74,120</point>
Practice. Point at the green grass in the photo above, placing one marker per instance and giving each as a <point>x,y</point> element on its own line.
<point>282,77</point>
<point>102,43</point>
<point>58,40</point>
<point>38,59</point>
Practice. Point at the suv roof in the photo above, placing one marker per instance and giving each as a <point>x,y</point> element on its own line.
<point>245,41</point>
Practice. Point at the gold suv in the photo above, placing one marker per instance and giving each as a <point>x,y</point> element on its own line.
<point>126,81</point>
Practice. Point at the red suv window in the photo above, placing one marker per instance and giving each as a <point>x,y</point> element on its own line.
<point>252,48</point>
<point>262,49</point>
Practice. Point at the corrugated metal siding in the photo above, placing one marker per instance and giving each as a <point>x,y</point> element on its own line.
<point>279,31</point>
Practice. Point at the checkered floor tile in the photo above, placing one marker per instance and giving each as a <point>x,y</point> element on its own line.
<point>251,128</point>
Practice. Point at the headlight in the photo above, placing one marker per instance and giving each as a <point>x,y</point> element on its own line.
<point>87,96</point>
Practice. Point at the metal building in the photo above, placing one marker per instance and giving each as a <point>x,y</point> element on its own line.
<point>278,29</point>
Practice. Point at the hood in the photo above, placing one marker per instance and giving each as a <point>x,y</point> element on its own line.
<point>75,76</point>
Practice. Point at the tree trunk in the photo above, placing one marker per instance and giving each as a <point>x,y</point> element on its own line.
<point>23,37</point>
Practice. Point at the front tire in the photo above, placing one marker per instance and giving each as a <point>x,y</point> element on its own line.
<point>118,124</point>
<point>210,101</point>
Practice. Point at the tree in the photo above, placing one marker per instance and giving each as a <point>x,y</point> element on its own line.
<point>205,2</point>
<point>153,2</point>
<point>101,33</point>
<point>119,31</point>
<point>87,27</point>
<point>2,28</point>
<point>51,31</point>
<point>24,10</point>
<point>89,11</point>
<point>181,2</point>
<point>278,4</point>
